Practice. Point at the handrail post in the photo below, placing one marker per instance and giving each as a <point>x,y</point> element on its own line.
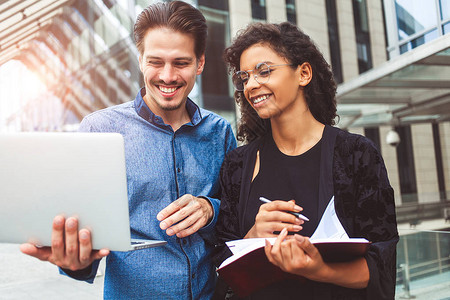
<point>406,280</point>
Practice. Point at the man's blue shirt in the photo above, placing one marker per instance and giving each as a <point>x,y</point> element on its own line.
<point>163,165</point>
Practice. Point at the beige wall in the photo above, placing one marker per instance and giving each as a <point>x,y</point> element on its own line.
<point>425,163</point>
<point>357,130</point>
<point>444,130</point>
<point>240,15</point>
<point>312,19</point>
<point>376,27</point>
<point>389,154</point>
<point>347,39</point>
<point>276,11</point>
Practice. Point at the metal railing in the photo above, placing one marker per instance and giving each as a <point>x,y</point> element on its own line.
<point>406,273</point>
<point>416,212</point>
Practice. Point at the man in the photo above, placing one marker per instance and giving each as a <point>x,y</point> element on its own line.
<point>173,148</point>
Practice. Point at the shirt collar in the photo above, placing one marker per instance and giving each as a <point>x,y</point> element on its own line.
<point>144,111</point>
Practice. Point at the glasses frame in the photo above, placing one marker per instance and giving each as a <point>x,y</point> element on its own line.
<point>237,75</point>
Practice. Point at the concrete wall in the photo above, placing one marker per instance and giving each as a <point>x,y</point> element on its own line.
<point>240,15</point>
<point>312,19</point>
<point>276,11</point>
<point>357,130</point>
<point>389,154</point>
<point>444,130</point>
<point>425,163</point>
<point>347,39</point>
<point>376,27</point>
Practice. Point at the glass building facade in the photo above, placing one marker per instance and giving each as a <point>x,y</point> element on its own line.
<point>416,23</point>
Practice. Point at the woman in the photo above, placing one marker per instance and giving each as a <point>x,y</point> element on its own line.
<point>286,93</point>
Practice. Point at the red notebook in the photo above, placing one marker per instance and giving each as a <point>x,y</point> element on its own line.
<point>249,270</point>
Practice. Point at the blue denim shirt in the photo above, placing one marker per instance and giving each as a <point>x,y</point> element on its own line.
<point>163,165</point>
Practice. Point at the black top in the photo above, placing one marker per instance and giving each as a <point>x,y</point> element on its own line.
<point>284,177</point>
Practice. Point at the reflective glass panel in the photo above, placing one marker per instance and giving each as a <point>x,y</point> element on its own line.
<point>362,35</point>
<point>446,28</point>
<point>414,16</point>
<point>259,9</point>
<point>290,11</point>
<point>419,41</point>
<point>445,9</point>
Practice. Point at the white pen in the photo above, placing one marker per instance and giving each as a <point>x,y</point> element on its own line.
<point>298,215</point>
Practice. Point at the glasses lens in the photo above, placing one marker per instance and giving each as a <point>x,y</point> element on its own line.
<point>239,79</point>
<point>263,72</point>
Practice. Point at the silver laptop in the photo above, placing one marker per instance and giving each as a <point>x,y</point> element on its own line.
<point>75,174</point>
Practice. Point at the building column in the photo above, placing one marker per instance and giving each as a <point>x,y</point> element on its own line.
<point>425,163</point>
<point>356,130</point>
<point>312,19</point>
<point>377,35</point>
<point>276,11</point>
<point>389,154</point>
<point>444,130</point>
<point>347,39</point>
<point>240,15</point>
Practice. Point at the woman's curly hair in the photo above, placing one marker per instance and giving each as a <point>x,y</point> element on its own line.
<point>292,44</point>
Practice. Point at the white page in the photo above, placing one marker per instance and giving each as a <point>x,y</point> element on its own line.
<point>329,226</point>
<point>241,247</point>
<point>237,246</point>
<point>329,229</point>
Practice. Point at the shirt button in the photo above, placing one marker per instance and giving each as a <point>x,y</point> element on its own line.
<point>178,170</point>
<point>193,275</point>
<point>184,242</point>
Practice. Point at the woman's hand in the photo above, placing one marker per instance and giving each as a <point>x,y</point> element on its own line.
<point>273,217</point>
<point>298,256</point>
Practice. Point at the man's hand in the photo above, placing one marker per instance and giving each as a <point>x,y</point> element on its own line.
<point>185,216</point>
<point>273,217</point>
<point>71,249</point>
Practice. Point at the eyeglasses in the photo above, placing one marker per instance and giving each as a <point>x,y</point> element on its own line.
<point>261,73</point>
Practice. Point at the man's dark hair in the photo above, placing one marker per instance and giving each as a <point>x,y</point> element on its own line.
<point>178,16</point>
<point>294,45</point>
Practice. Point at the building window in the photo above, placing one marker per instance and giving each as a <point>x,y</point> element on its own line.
<point>216,4</point>
<point>414,17</point>
<point>373,134</point>
<point>214,81</point>
<point>446,28</point>
<point>416,20</point>
<point>412,23</point>
<point>362,35</point>
<point>291,12</point>
<point>445,15</point>
<point>406,167</point>
<point>439,161</point>
<point>259,10</point>
<point>419,41</point>
<point>445,9</point>
<point>333,37</point>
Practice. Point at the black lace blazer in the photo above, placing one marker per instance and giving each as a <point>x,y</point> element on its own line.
<point>352,170</point>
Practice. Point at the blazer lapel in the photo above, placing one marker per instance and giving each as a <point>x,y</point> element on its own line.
<point>326,190</point>
<point>249,161</point>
